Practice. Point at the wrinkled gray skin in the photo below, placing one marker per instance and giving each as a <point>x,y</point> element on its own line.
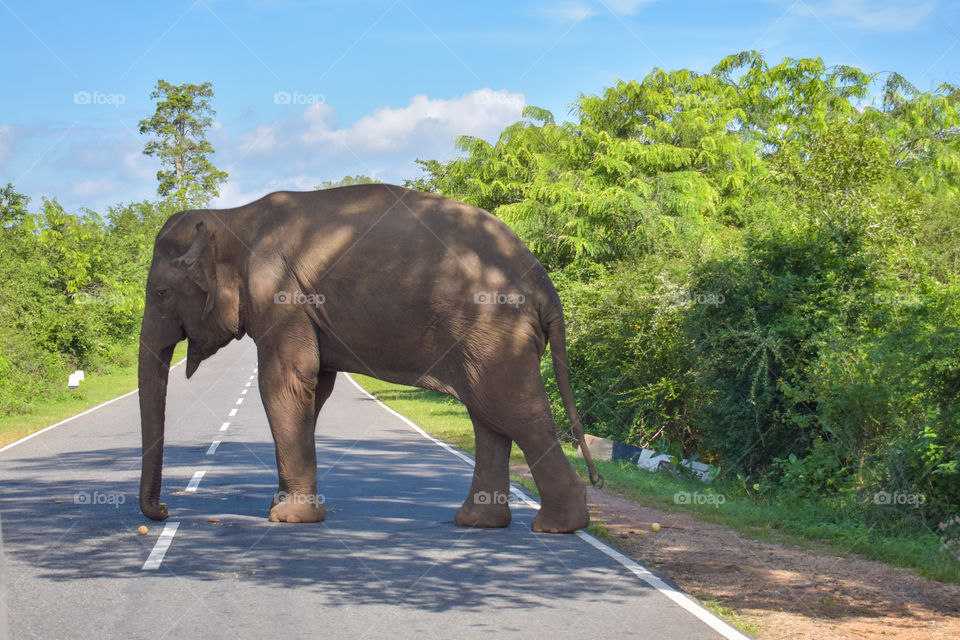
<point>382,281</point>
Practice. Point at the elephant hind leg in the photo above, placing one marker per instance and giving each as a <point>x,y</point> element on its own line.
<point>487,504</point>
<point>563,498</point>
<point>516,401</point>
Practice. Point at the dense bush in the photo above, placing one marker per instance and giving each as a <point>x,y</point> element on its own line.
<point>627,351</point>
<point>71,291</point>
<point>780,296</point>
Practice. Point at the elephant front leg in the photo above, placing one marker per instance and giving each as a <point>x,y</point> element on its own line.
<point>487,505</point>
<point>289,394</point>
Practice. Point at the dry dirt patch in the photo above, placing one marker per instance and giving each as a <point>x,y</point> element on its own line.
<point>784,592</point>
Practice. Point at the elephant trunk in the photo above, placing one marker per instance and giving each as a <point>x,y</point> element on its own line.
<point>153,372</point>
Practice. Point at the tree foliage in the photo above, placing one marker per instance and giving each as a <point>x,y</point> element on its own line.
<point>760,263</point>
<point>71,290</point>
<point>347,181</point>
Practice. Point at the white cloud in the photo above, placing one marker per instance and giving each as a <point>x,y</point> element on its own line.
<point>93,189</point>
<point>424,122</point>
<point>887,15</point>
<point>304,148</point>
<point>260,141</point>
<point>568,12</point>
<point>576,11</point>
<point>138,167</point>
<point>100,166</point>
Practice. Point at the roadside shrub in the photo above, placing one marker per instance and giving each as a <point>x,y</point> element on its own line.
<point>626,350</point>
<point>71,291</point>
<point>787,288</point>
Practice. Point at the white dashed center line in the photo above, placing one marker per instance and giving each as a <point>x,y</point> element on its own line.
<point>170,529</point>
<point>194,482</point>
<point>161,546</point>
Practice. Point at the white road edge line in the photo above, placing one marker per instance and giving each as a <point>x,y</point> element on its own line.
<point>410,423</point>
<point>161,546</point>
<point>680,598</point>
<point>71,418</point>
<point>194,482</point>
<point>213,447</point>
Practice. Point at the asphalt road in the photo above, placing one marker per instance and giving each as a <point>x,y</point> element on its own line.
<point>388,561</point>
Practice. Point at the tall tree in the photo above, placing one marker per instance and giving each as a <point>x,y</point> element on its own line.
<point>179,126</point>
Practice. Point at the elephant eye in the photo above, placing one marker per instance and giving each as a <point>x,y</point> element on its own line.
<point>161,294</point>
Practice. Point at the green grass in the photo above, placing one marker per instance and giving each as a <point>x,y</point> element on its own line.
<point>731,616</point>
<point>600,530</point>
<point>99,386</point>
<point>447,418</point>
<point>817,526</point>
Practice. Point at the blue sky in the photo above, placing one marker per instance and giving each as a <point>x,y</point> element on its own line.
<point>308,91</point>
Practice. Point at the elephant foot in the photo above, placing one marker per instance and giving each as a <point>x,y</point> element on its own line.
<point>297,507</point>
<point>560,520</point>
<point>482,514</point>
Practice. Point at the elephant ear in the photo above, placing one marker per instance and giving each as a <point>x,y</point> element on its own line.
<point>228,299</point>
<point>220,281</point>
<point>201,263</point>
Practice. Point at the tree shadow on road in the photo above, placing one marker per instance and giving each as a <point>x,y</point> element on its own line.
<point>389,536</point>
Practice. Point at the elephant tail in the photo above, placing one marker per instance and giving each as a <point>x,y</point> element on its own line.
<point>556,335</point>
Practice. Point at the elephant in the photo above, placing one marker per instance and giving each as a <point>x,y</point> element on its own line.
<point>404,286</point>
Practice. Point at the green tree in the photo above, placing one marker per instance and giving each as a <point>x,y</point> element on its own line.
<point>13,207</point>
<point>347,181</point>
<point>179,125</point>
